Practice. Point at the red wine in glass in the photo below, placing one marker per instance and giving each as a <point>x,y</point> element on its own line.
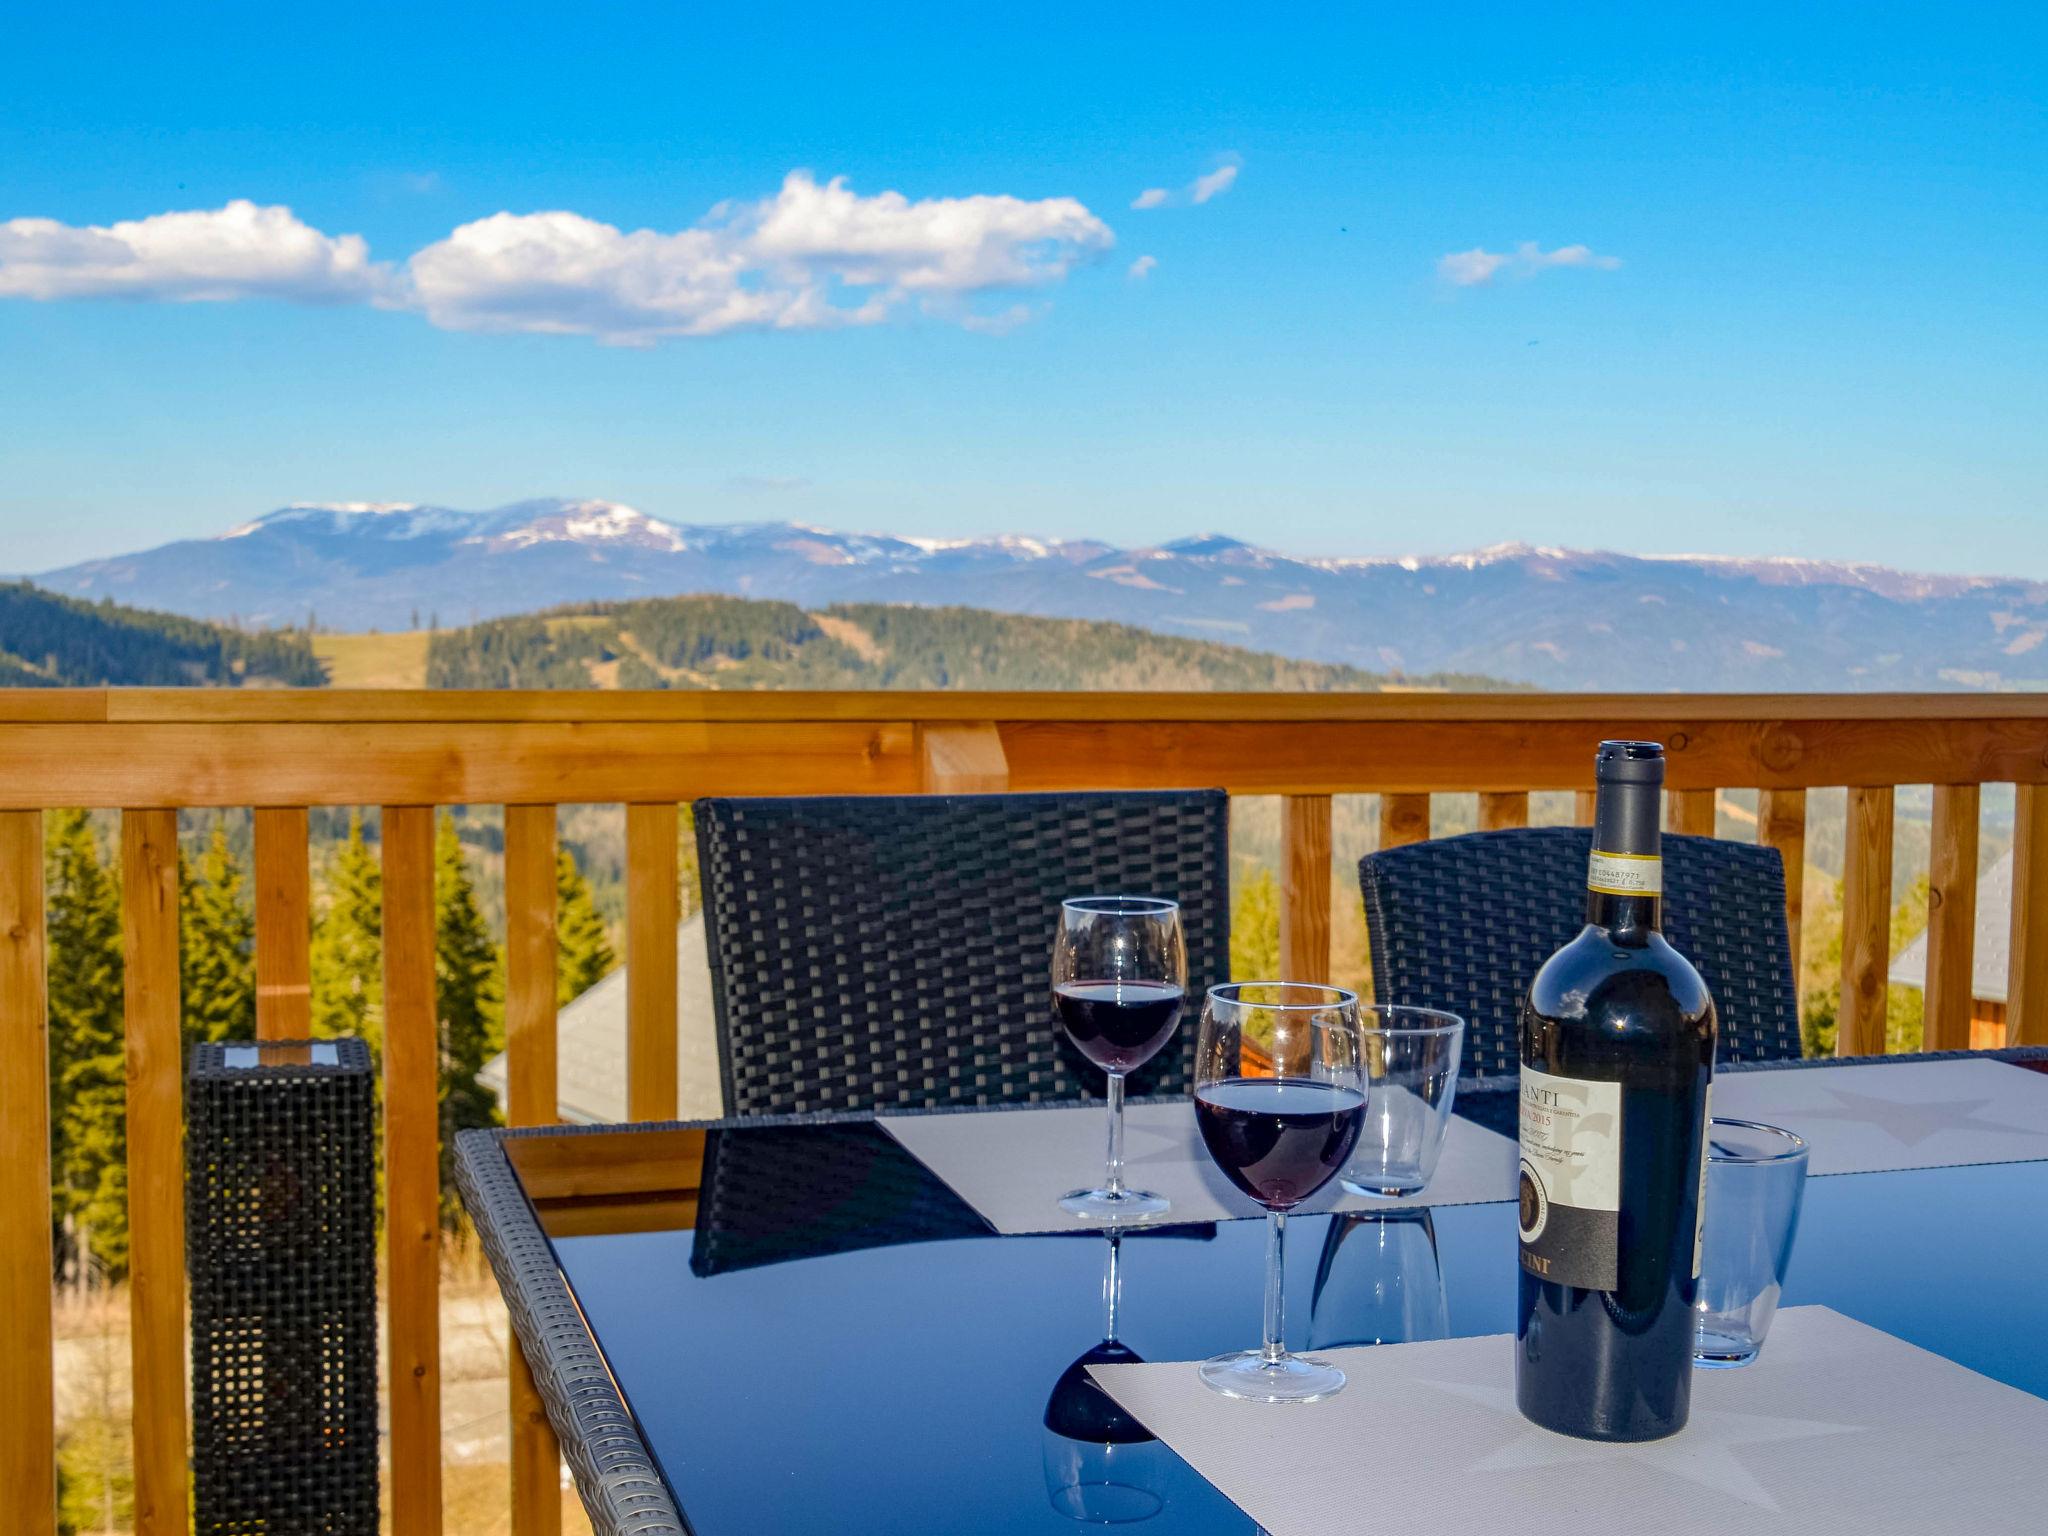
<point>1119,976</point>
<point>1279,1141</point>
<point>1119,1025</point>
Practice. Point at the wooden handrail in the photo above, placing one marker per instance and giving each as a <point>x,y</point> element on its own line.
<point>152,752</point>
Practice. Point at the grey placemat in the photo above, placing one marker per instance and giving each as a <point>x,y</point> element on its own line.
<point>1877,1119</point>
<point>1837,1428</point>
<point>1013,1168</point>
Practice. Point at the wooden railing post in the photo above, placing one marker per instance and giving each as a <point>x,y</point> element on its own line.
<point>1583,805</point>
<point>1305,888</point>
<point>156,1168</point>
<point>964,758</point>
<point>1691,811</point>
<point>1951,917</point>
<point>1404,819</point>
<point>653,912</point>
<point>1866,921</point>
<point>412,1170</point>
<point>531,1098</point>
<point>1781,824</point>
<point>28,1407</point>
<point>1500,809</point>
<point>2026,994</point>
<point>284,925</point>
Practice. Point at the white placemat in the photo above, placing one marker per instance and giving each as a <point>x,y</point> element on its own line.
<point>1837,1428</point>
<point>1877,1118</point>
<point>1013,1167</point>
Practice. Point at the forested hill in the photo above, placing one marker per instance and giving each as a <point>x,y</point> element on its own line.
<point>47,641</point>
<point>730,642</point>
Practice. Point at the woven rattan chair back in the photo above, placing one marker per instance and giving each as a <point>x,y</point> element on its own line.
<point>870,951</point>
<point>1464,923</point>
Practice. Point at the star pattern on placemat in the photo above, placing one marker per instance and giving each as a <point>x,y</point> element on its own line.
<point>1909,1123</point>
<point>1702,1453</point>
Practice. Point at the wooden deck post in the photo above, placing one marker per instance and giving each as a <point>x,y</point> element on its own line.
<point>963,759</point>
<point>28,1407</point>
<point>531,1097</point>
<point>2026,1009</point>
<point>1305,888</point>
<point>1866,921</point>
<point>156,1169</point>
<point>1951,917</point>
<point>412,1170</point>
<point>1403,819</point>
<point>284,925</point>
<point>1781,824</point>
<point>1501,809</point>
<point>653,911</point>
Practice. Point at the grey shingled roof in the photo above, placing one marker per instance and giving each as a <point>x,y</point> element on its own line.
<point>591,1044</point>
<point>1994,929</point>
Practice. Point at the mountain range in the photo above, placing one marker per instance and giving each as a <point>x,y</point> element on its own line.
<point>1553,618</point>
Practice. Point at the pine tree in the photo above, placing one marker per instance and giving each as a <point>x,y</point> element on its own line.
<point>348,946</point>
<point>88,1150</point>
<point>583,946</point>
<point>217,945</point>
<point>1255,929</point>
<point>470,1002</point>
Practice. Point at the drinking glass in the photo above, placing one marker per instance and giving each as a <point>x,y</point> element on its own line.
<point>1411,1058</point>
<point>1380,1281</point>
<point>1280,1095</point>
<point>1119,978</point>
<point>1102,1467</point>
<point>1756,1175</point>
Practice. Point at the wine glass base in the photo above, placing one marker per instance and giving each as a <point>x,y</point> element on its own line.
<point>1721,1351</point>
<point>1114,1207</point>
<point>1248,1374</point>
<point>1382,1191</point>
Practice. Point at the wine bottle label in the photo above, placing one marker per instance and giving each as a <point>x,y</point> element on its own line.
<point>1626,874</point>
<point>1570,1186</point>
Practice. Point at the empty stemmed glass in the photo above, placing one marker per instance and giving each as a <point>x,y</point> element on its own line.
<point>1280,1090</point>
<point>1119,978</point>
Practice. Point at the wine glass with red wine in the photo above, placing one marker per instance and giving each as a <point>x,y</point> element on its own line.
<point>1119,977</point>
<point>1280,1086</point>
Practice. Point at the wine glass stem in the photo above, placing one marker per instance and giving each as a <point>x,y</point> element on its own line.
<point>1112,1287</point>
<point>1116,1134</point>
<point>1276,1287</point>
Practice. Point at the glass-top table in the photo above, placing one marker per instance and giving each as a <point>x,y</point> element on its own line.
<point>797,1327</point>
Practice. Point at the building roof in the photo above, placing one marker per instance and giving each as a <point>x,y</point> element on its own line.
<point>590,1049</point>
<point>1994,929</point>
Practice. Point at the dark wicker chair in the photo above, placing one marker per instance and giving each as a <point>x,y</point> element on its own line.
<point>891,951</point>
<point>1464,922</point>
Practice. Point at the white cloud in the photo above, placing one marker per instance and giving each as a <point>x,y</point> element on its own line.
<point>1467,269</point>
<point>1215,184</point>
<point>240,251</point>
<point>1200,190</point>
<point>1142,267</point>
<point>811,257</point>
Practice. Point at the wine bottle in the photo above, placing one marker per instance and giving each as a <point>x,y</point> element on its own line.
<point>1617,1044</point>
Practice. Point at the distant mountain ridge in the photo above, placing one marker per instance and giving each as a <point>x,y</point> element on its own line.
<point>1551,617</point>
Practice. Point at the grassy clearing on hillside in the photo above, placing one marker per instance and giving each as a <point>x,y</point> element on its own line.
<point>396,660</point>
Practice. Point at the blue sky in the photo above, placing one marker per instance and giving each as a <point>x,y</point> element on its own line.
<point>1781,291</point>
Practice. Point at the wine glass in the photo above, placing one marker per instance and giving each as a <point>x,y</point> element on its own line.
<point>1280,1088</point>
<point>1119,977</point>
<point>1102,1467</point>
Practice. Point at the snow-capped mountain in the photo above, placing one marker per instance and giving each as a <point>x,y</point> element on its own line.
<point>1559,618</point>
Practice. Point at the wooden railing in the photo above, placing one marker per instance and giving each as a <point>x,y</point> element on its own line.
<point>149,753</point>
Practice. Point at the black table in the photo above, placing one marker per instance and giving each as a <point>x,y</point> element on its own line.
<point>793,1326</point>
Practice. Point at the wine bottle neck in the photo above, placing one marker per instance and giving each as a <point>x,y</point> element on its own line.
<point>1625,877</point>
